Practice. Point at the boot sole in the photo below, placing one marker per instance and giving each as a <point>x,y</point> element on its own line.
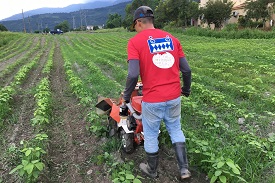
<point>185,176</point>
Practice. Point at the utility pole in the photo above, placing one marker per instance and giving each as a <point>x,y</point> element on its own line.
<point>24,26</point>
<point>80,19</point>
<point>29,24</point>
<point>74,23</point>
<point>41,24</point>
<point>83,18</point>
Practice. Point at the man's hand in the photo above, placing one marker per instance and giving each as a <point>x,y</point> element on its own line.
<point>124,101</point>
<point>185,93</point>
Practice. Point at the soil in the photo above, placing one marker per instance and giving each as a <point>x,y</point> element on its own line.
<point>71,145</point>
<point>167,169</point>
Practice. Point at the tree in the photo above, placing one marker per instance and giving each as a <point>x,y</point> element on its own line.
<point>64,26</point>
<point>130,9</point>
<point>3,28</point>
<point>95,27</point>
<point>161,17</point>
<point>114,20</point>
<point>258,10</point>
<point>217,12</point>
<point>177,12</point>
<point>191,11</point>
<point>46,30</point>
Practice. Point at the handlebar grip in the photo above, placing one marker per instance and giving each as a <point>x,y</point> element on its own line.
<point>139,117</point>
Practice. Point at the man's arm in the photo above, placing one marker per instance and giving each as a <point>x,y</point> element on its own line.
<point>186,76</point>
<point>132,79</point>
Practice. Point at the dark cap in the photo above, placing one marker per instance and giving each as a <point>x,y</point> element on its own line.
<point>142,12</point>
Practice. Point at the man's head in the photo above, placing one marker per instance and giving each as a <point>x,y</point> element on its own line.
<point>143,18</point>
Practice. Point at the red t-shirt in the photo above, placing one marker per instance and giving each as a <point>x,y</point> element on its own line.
<point>158,53</point>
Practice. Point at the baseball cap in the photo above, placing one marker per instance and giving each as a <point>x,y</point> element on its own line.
<point>142,12</point>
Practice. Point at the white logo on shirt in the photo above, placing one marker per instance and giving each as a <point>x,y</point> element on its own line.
<point>164,61</point>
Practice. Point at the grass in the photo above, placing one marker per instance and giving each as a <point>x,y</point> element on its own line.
<point>7,37</point>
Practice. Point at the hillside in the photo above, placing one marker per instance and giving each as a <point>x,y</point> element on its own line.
<point>71,8</point>
<point>97,16</point>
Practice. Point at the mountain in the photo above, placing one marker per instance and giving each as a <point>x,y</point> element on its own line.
<point>97,16</point>
<point>74,7</point>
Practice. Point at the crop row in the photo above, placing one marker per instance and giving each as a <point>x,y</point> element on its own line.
<point>8,91</point>
<point>19,49</point>
<point>95,79</point>
<point>21,60</point>
<point>12,47</point>
<point>33,151</point>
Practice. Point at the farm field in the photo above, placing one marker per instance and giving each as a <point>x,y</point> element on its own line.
<point>49,130</point>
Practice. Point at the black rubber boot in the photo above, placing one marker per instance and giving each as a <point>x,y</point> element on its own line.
<point>150,168</point>
<point>180,150</point>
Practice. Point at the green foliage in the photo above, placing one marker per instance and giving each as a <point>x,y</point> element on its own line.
<point>232,80</point>
<point>123,173</point>
<point>46,30</point>
<point>223,170</point>
<point>31,159</point>
<point>98,127</point>
<point>177,12</point>
<point>5,97</point>
<point>95,27</point>
<point>23,72</point>
<point>130,9</point>
<point>64,26</point>
<point>114,21</point>
<point>245,21</point>
<point>49,64</point>
<point>231,27</point>
<point>120,172</point>
<point>258,9</point>
<point>43,101</point>
<point>3,28</point>
<point>7,37</point>
<point>217,12</point>
<point>238,34</point>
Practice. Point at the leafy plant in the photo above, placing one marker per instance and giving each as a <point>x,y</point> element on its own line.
<point>42,112</point>
<point>120,172</point>
<point>223,170</point>
<point>31,159</point>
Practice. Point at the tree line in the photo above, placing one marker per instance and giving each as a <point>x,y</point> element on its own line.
<point>180,13</point>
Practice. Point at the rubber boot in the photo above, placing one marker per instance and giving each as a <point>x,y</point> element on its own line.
<point>180,150</point>
<point>150,168</point>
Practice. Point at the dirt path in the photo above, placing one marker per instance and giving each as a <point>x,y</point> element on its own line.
<point>167,169</point>
<point>70,143</point>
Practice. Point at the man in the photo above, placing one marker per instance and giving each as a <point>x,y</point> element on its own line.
<point>158,57</point>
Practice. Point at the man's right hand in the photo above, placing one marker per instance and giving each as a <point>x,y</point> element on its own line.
<point>185,93</point>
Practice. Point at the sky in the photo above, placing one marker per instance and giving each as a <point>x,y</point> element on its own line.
<point>11,7</point>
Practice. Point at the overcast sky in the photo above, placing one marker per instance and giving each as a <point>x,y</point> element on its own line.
<point>11,7</point>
